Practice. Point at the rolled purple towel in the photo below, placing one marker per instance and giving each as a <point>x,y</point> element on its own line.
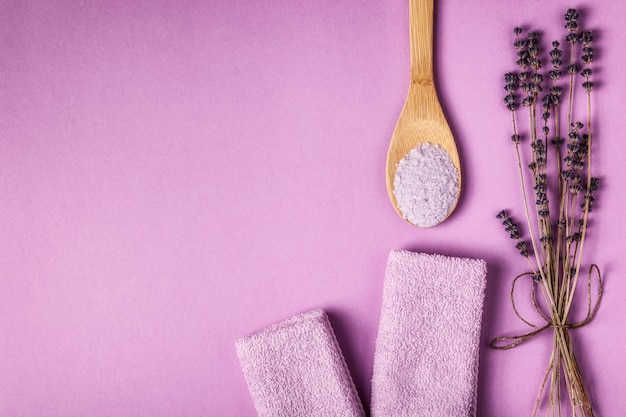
<point>426,359</point>
<point>295,368</point>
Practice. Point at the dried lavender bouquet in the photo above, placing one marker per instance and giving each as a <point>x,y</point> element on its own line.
<point>560,183</point>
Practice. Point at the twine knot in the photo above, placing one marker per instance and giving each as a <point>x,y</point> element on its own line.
<point>508,342</point>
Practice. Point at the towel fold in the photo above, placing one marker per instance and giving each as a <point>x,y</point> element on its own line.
<point>426,358</point>
<point>296,368</point>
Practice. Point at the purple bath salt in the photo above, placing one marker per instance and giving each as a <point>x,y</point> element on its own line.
<point>426,185</point>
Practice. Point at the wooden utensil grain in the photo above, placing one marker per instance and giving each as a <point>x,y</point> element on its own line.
<point>422,119</point>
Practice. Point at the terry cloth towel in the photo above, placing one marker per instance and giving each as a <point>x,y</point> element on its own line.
<point>295,368</point>
<point>426,358</point>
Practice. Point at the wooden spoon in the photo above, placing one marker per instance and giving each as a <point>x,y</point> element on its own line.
<point>422,119</point>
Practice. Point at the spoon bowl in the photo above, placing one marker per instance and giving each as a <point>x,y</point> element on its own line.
<point>422,122</point>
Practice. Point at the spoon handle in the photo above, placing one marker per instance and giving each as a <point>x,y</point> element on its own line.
<point>421,31</point>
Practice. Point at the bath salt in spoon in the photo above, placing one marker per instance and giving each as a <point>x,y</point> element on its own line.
<point>423,167</point>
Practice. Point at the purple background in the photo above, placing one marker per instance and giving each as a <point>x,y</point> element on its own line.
<point>178,174</point>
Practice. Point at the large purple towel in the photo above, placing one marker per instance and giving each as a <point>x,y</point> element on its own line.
<point>426,359</point>
<point>296,369</point>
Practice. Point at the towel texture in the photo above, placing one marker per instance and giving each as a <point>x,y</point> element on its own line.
<point>295,368</point>
<point>426,359</point>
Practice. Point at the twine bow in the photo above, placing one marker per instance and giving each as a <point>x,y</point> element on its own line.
<point>512,341</point>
